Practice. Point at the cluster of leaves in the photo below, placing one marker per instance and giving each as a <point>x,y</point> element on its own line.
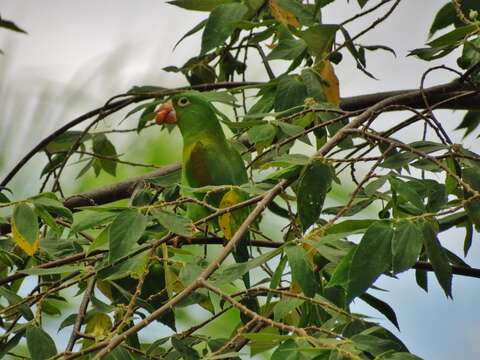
<point>464,17</point>
<point>132,260</point>
<point>101,155</point>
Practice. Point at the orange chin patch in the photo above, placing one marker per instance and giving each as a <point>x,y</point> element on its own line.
<point>166,114</point>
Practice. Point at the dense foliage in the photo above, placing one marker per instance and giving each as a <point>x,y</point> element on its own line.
<point>137,263</point>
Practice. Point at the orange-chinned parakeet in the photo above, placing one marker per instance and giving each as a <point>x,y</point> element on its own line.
<point>208,159</point>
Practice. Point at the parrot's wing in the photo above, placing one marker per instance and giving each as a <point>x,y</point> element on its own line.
<point>210,163</point>
<point>206,163</point>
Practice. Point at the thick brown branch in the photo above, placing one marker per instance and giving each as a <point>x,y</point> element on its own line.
<point>117,191</point>
<point>415,101</point>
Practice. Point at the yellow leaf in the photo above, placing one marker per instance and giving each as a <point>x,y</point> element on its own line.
<point>99,326</point>
<point>331,88</point>
<point>283,16</point>
<point>25,230</point>
<point>225,221</point>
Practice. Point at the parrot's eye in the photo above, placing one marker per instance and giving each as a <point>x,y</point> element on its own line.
<point>183,101</point>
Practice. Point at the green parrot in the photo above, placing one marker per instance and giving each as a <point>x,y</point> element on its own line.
<point>208,159</point>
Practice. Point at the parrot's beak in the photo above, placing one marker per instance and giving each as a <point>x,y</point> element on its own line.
<point>166,114</point>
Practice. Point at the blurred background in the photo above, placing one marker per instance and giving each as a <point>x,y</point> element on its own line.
<point>78,54</point>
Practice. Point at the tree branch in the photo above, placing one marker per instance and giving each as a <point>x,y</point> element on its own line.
<point>415,101</point>
<point>81,314</point>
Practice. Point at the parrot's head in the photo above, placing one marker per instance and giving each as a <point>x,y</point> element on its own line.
<point>191,112</point>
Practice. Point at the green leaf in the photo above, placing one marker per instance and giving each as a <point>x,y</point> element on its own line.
<point>401,159</point>
<point>373,186</point>
<point>429,54</point>
<point>406,245</point>
<point>147,115</point>
<point>101,242</point>
<point>302,274</point>
<point>52,205</point>
<point>289,129</point>
<point>277,277</point>
<point>314,85</point>
<point>40,345</point>
<point>427,165</point>
<point>436,195</point>
<point>103,147</point>
<point>421,279</point>
<point>220,25</point>
<point>349,226</point>
<point>66,269</point>
<point>263,341</point>
<point>65,141</point>
<point>467,243</point>
<point>438,258</point>
<point>86,219</point>
<point>235,271</point>
<point>374,345</point>
<point>446,16</point>
<point>470,54</point>
<point>286,160</point>
<point>7,346</point>
<point>262,133</point>
<point>382,307</point>
<point>125,231</point>
<point>290,92</point>
<point>301,12</point>
<point>25,229</point>
<point>451,183</point>
<point>454,36</point>
<point>175,223</point>
<point>288,350</point>
<point>352,210</point>
<point>319,38</point>
<point>185,350</point>
<point>400,356</point>
<point>4,199</point>
<point>167,180</point>
<point>379,47</point>
<point>371,258</point>
<point>362,3</point>
<point>53,163</point>
<point>49,308</point>
<point>13,299</point>
<point>288,49</point>
<point>192,31</point>
<point>10,25</point>
<point>398,160</point>
<point>266,99</point>
<point>340,276</point>
<point>140,107</point>
<point>314,184</point>
<point>470,122</point>
<point>285,307</point>
<point>471,175</point>
<point>199,5</point>
<point>223,97</point>
<point>407,192</point>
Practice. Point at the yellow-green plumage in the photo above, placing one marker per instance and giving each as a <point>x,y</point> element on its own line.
<point>209,159</point>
